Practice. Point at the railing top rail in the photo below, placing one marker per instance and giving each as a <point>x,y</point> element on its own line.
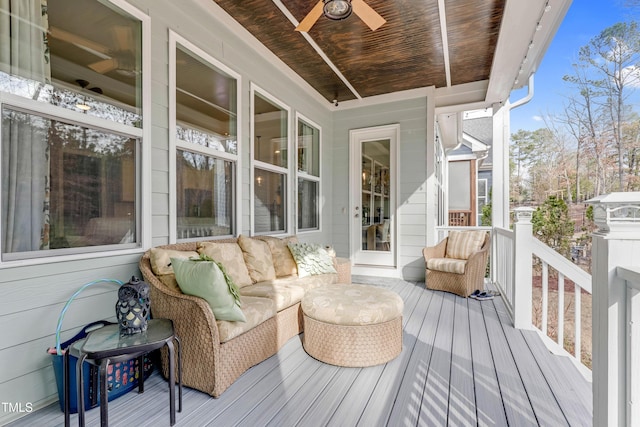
<point>503,231</point>
<point>562,265</point>
<point>631,274</point>
<point>463,228</point>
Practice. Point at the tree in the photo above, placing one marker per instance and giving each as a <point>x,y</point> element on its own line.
<point>552,225</point>
<point>614,57</point>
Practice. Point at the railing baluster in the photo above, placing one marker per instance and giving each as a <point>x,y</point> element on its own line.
<point>578,323</point>
<point>561,309</point>
<point>545,296</point>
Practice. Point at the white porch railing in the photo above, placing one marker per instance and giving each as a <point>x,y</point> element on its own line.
<point>631,276</point>
<point>502,265</point>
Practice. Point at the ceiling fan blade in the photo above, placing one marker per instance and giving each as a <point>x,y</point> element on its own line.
<point>123,37</point>
<point>367,14</point>
<point>97,49</point>
<point>104,66</point>
<point>311,18</point>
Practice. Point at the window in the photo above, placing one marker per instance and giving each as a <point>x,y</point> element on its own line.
<point>71,113</point>
<point>206,140</point>
<point>483,197</point>
<point>270,130</point>
<point>308,156</point>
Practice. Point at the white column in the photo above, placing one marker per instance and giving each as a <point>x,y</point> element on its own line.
<point>500,170</point>
<point>615,243</point>
<point>522,271</point>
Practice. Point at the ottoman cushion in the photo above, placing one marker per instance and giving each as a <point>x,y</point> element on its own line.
<point>352,305</point>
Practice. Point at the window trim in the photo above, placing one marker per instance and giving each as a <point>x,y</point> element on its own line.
<point>307,176</point>
<point>289,176</point>
<point>143,171</point>
<point>176,39</point>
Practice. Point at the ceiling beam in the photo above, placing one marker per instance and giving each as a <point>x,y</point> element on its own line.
<point>445,40</point>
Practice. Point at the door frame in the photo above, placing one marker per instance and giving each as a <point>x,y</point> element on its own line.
<point>356,138</point>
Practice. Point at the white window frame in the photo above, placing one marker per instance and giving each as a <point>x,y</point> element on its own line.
<point>143,166</point>
<point>307,176</point>
<point>174,143</point>
<point>289,177</point>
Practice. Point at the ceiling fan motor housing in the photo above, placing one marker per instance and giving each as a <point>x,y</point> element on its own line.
<point>337,9</point>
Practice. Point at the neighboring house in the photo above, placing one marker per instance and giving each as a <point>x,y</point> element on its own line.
<point>470,166</point>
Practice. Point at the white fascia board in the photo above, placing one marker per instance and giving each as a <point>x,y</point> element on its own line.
<point>524,24</point>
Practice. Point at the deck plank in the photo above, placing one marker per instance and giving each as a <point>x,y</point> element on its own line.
<point>489,405</point>
<point>542,399</point>
<point>434,406</point>
<point>514,396</point>
<point>462,364</point>
<point>462,397</point>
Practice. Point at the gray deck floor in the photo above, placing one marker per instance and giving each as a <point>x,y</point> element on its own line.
<point>462,364</point>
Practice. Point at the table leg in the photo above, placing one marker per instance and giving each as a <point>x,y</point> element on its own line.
<point>67,390</point>
<point>104,398</point>
<point>172,384</point>
<point>80,388</point>
<point>179,373</point>
<point>141,374</point>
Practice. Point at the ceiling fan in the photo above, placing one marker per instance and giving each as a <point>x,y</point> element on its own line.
<point>341,9</point>
<point>121,58</point>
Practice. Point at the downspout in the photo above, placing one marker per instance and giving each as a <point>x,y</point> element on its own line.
<point>526,98</point>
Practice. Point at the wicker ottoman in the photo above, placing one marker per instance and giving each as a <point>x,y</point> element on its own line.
<point>352,325</point>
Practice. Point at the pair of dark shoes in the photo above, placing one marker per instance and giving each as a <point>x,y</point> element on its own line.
<point>484,295</point>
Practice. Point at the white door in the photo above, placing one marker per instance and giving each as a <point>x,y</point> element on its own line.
<point>373,177</point>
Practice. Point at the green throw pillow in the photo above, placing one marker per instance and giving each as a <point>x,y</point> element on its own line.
<point>311,259</point>
<point>207,279</point>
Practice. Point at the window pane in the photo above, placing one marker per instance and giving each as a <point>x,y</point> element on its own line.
<point>308,149</point>
<point>307,204</point>
<point>80,55</point>
<point>204,195</point>
<point>269,201</point>
<point>206,104</point>
<point>270,130</point>
<point>65,186</point>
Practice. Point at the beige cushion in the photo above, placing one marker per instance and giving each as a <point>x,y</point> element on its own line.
<point>283,294</point>
<point>257,258</point>
<point>230,255</point>
<point>169,280</point>
<point>255,310</point>
<point>352,305</point>
<point>283,261</point>
<point>161,259</point>
<point>447,265</point>
<point>461,244</point>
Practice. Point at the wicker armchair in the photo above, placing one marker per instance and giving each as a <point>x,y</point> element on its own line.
<point>456,274</point>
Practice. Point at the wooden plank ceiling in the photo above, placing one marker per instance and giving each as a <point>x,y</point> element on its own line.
<point>407,52</point>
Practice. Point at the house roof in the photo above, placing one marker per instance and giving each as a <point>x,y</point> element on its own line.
<point>472,52</point>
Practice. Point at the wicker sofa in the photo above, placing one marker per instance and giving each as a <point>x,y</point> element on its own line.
<point>211,362</point>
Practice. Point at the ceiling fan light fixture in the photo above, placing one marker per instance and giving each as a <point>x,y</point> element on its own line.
<point>337,9</point>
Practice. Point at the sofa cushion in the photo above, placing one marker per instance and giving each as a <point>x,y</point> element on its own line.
<point>206,280</point>
<point>255,310</point>
<point>283,261</point>
<point>169,280</point>
<point>311,259</point>
<point>257,257</point>
<point>230,255</point>
<point>447,265</point>
<point>283,294</point>
<point>161,259</point>
<point>461,244</point>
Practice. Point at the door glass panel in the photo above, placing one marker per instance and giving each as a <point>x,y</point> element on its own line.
<point>375,202</point>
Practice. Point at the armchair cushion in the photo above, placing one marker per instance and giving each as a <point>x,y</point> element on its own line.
<point>448,265</point>
<point>461,244</point>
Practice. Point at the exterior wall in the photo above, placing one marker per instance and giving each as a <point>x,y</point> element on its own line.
<point>413,175</point>
<point>34,295</point>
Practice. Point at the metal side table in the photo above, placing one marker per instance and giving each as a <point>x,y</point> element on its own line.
<point>105,345</point>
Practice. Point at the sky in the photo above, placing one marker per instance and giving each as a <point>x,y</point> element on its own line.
<point>584,20</point>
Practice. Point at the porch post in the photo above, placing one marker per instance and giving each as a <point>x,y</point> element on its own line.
<point>616,242</point>
<point>522,271</point>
